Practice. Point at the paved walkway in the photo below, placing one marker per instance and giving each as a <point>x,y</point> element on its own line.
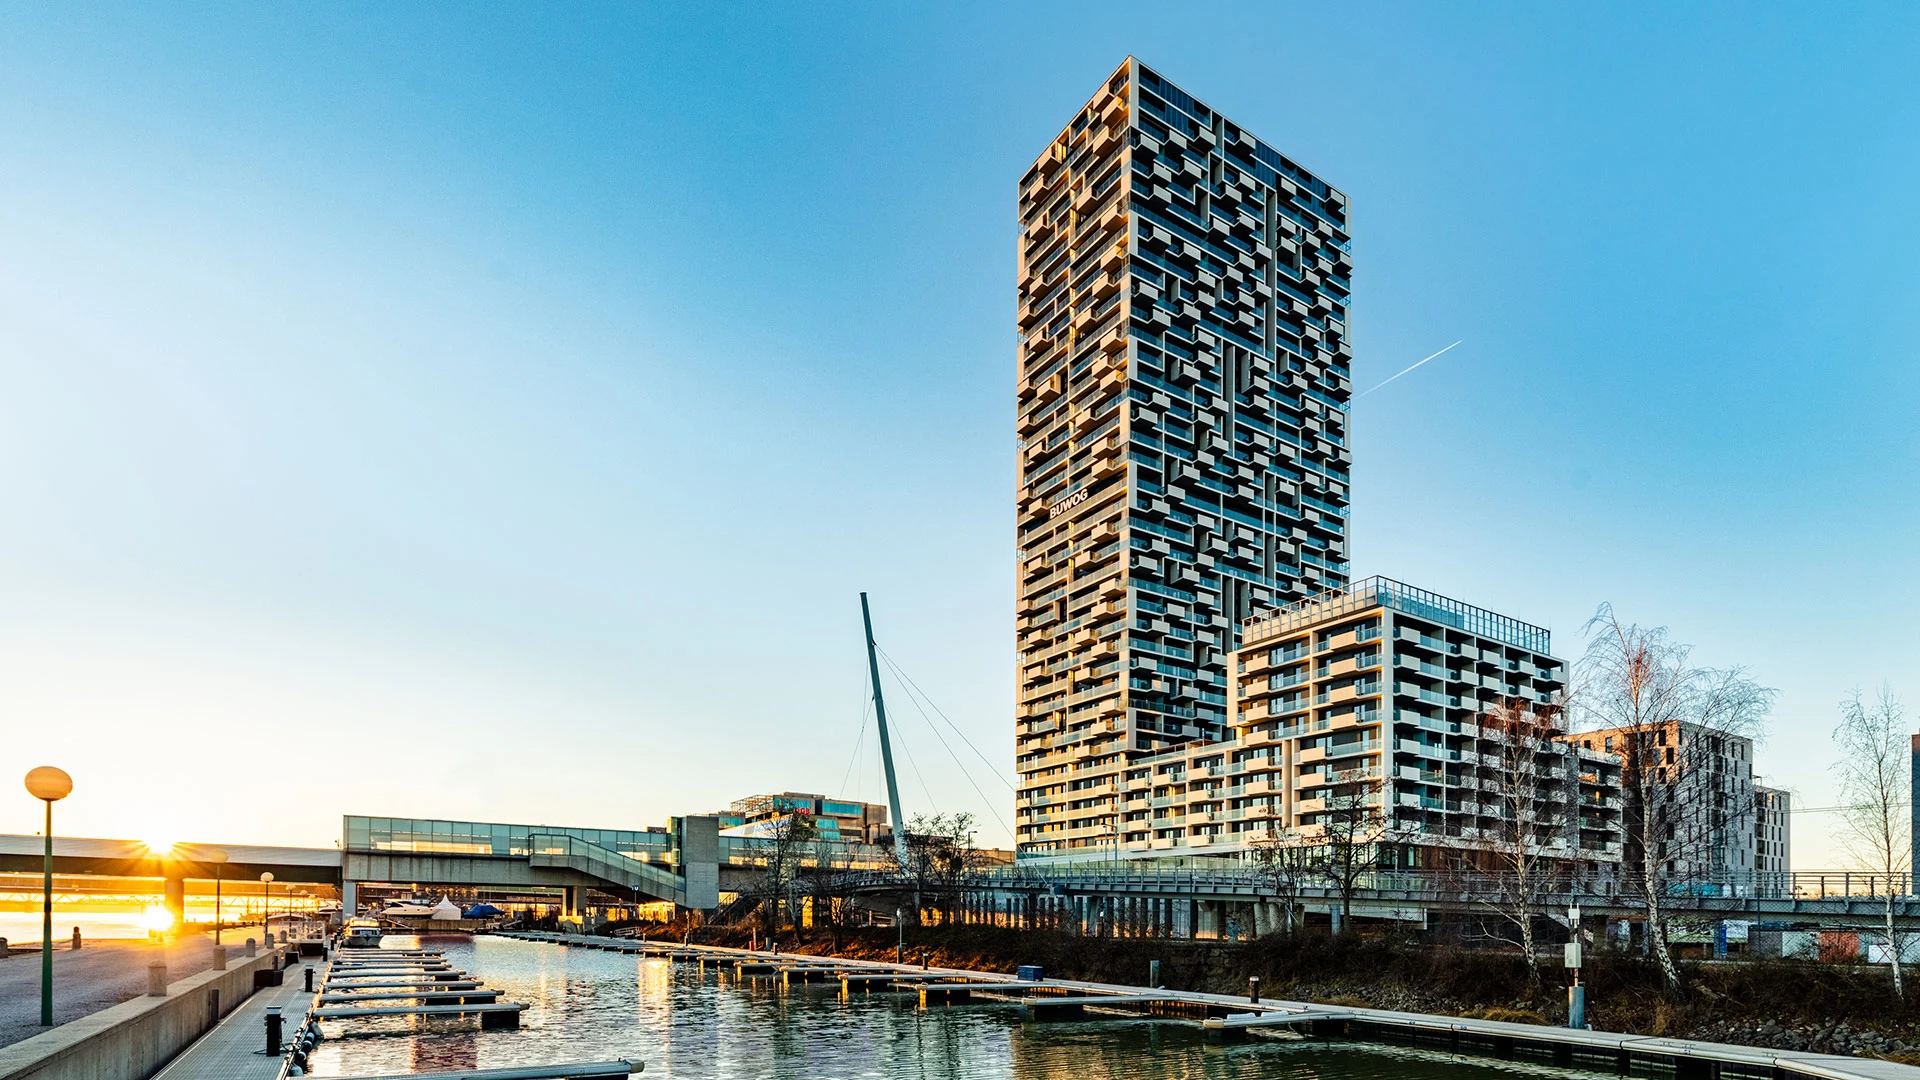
<point>101,974</point>
<point>228,1052</point>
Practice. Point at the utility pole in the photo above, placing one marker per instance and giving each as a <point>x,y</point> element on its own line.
<point>886,745</point>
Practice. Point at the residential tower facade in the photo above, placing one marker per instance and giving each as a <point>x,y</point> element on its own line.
<point>1184,373</point>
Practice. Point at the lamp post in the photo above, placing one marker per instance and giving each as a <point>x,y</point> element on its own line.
<point>218,857</point>
<point>49,785</point>
<point>266,906</point>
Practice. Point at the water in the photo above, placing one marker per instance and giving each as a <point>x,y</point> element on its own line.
<point>589,1005</point>
<point>20,928</point>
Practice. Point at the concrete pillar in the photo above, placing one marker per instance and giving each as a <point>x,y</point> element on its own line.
<point>219,958</point>
<point>349,899</point>
<point>570,900</point>
<point>176,894</point>
<point>1261,927</point>
<point>156,979</point>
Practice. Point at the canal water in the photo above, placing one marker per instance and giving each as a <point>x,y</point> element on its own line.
<point>588,1005</point>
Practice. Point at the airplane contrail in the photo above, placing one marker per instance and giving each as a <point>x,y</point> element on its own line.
<point>1403,372</point>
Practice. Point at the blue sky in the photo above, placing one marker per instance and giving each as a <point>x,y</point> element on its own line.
<point>529,391</point>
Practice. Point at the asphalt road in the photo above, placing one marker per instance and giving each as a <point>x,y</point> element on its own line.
<point>102,973</point>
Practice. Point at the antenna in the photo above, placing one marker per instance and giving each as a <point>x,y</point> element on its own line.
<point>886,745</point>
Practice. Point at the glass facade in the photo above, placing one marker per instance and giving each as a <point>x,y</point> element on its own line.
<point>429,836</point>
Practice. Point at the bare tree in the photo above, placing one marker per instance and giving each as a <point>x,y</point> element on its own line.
<point>829,891</point>
<point>940,856</point>
<point>782,849</point>
<point>1350,833</point>
<point>1683,733</point>
<point>1877,789</point>
<point>1527,854</point>
<point>1285,863</point>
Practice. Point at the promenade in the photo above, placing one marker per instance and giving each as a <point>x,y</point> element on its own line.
<point>101,974</point>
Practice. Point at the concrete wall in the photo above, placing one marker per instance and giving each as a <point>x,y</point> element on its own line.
<point>700,861</point>
<point>132,1040</point>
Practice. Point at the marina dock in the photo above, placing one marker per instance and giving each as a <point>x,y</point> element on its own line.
<point>1229,1016</point>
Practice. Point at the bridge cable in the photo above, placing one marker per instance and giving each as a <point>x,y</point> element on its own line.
<point>857,745</point>
<point>956,728</point>
<point>924,790</point>
<point>988,803</point>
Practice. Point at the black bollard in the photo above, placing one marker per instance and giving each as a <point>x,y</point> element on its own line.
<point>1253,989</point>
<point>273,1031</point>
<point>309,980</point>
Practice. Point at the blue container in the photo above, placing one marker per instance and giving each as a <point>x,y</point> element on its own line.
<point>1031,973</point>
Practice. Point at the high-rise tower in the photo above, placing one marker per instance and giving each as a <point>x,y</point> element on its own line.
<point>1183,388</point>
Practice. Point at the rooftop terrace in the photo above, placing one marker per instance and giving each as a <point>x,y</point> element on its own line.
<point>1399,596</point>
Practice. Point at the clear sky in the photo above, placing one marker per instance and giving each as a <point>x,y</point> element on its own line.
<point>495,411</point>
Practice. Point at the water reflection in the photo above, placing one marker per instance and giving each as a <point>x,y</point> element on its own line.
<point>589,1005</point>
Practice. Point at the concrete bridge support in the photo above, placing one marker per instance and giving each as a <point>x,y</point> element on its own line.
<point>176,896</point>
<point>349,899</point>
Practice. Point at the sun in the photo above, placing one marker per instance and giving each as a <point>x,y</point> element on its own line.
<point>162,848</point>
<point>157,919</point>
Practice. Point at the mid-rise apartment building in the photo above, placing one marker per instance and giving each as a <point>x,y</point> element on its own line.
<point>1772,832</point>
<point>1182,417</point>
<point>1700,786</point>
<point>1430,713</point>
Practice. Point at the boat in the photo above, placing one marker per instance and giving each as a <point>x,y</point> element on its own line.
<point>406,911</point>
<point>361,934</point>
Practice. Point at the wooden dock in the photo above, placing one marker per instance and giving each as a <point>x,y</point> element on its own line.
<point>498,1014</point>
<point>578,1070</point>
<point>415,982</point>
<point>469,997</point>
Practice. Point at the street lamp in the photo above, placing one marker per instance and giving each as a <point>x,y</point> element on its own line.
<point>218,857</point>
<point>49,785</point>
<point>266,906</point>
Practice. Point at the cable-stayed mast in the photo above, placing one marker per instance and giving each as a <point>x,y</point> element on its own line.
<point>886,744</point>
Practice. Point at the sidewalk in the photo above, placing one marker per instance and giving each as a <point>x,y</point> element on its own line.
<point>101,974</point>
<point>234,1050</point>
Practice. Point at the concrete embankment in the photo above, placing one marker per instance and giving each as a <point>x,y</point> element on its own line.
<point>132,1040</point>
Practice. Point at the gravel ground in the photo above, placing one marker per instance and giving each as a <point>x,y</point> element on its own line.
<point>101,974</point>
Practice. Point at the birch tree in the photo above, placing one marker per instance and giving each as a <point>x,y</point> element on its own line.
<point>1531,841</point>
<point>1877,790</point>
<point>1674,725</point>
<point>1284,864</point>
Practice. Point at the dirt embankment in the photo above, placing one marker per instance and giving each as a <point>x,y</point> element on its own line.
<point>1789,1004</point>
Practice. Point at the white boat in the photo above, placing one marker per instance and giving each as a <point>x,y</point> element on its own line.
<point>406,911</point>
<point>361,934</point>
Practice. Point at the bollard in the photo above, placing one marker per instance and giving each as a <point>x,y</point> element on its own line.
<point>1153,974</point>
<point>76,939</point>
<point>309,980</point>
<point>923,959</point>
<point>1253,989</point>
<point>273,1031</point>
<point>250,947</point>
<point>1577,1006</point>
<point>3,948</point>
<point>157,979</point>
<point>219,958</point>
